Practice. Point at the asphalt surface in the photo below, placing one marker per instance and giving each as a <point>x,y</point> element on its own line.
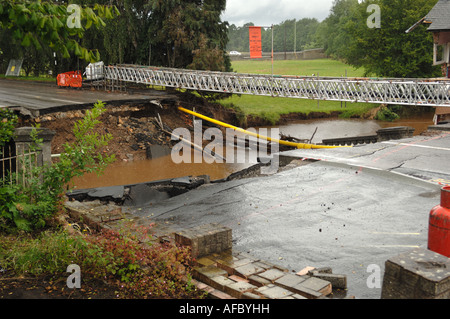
<point>354,208</point>
<point>39,97</point>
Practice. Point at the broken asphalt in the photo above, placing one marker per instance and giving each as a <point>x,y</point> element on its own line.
<point>347,209</point>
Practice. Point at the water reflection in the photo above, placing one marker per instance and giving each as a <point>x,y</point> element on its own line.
<point>134,172</point>
<point>337,128</point>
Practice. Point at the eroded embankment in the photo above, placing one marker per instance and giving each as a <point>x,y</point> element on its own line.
<point>134,125</point>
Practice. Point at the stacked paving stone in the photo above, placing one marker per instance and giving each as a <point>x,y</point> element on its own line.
<point>242,276</point>
<point>224,272</point>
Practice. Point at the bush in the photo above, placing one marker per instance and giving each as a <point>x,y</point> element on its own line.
<point>387,114</point>
<point>140,270</point>
<point>28,206</point>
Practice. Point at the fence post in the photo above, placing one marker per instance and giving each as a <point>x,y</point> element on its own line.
<point>25,159</point>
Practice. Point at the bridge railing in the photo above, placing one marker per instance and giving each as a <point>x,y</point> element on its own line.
<point>429,92</point>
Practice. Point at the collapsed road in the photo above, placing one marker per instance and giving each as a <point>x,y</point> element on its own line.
<point>347,209</point>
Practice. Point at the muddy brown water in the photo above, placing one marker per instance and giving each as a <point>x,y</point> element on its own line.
<point>133,172</point>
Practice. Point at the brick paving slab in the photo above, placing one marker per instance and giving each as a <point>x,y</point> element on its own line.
<point>238,288</point>
<point>289,280</point>
<point>272,274</point>
<point>317,284</point>
<point>249,270</point>
<point>258,280</point>
<point>250,295</point>
<point>273,292</point>
<point>306,292</point>
<point>220,282</point>
<point>231,267</point>
<point>204,274</point>
<point>337,281</point>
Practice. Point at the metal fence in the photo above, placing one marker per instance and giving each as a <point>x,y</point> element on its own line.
<point>18,162</point>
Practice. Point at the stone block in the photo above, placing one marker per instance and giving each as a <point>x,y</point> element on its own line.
<point>306,292</point>
<point>206,239</point>
<point>313,288</point>
<point>204,261</point>
<point>337,281</point>
<point>417,274</point>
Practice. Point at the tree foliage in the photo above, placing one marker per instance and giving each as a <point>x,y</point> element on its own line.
<point>387,51</point>
<point>45,24</point>
<point>28,206</point>
<point>289,35</point>
<point>170,33</point>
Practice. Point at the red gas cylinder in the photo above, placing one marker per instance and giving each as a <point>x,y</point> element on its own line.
<point>439,225</point>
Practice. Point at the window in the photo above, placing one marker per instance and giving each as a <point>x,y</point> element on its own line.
<point>441,53</point>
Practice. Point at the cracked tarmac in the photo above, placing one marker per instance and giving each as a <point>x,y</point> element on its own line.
<point>346,208</point>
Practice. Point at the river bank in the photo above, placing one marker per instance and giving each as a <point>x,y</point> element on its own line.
<point>135,131</point>
<point>134,126</point>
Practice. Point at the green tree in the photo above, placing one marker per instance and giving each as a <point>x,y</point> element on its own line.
<point>332,34</point>
<point>179,28</point>
<point>387,51</point>
<point>41,24</point>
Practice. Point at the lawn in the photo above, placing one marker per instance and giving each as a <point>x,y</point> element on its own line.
<point>271,108</point>
<point>320,67</point>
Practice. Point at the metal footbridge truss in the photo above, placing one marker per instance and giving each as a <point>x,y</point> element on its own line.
<point>427,92</point>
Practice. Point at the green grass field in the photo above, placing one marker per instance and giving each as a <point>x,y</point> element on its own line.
<point>271,108</point>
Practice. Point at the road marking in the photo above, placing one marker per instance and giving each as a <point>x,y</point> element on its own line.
<point>422,146</point>
<point>403,234</point>
<point>395,246</point>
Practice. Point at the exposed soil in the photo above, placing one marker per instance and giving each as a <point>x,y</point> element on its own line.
<point>134,126</point>
<point>55,288</point>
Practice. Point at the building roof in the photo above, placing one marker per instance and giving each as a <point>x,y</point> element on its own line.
<point>439,16</point>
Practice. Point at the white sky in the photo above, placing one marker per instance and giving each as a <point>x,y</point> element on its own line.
<point>268,12</point>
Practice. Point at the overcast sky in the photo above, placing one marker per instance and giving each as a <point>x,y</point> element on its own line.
<point>268,12</point>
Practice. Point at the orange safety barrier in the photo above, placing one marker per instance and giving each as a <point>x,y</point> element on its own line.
<point>70,79</point>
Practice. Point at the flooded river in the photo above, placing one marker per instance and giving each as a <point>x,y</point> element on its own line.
<point>124,173</point>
